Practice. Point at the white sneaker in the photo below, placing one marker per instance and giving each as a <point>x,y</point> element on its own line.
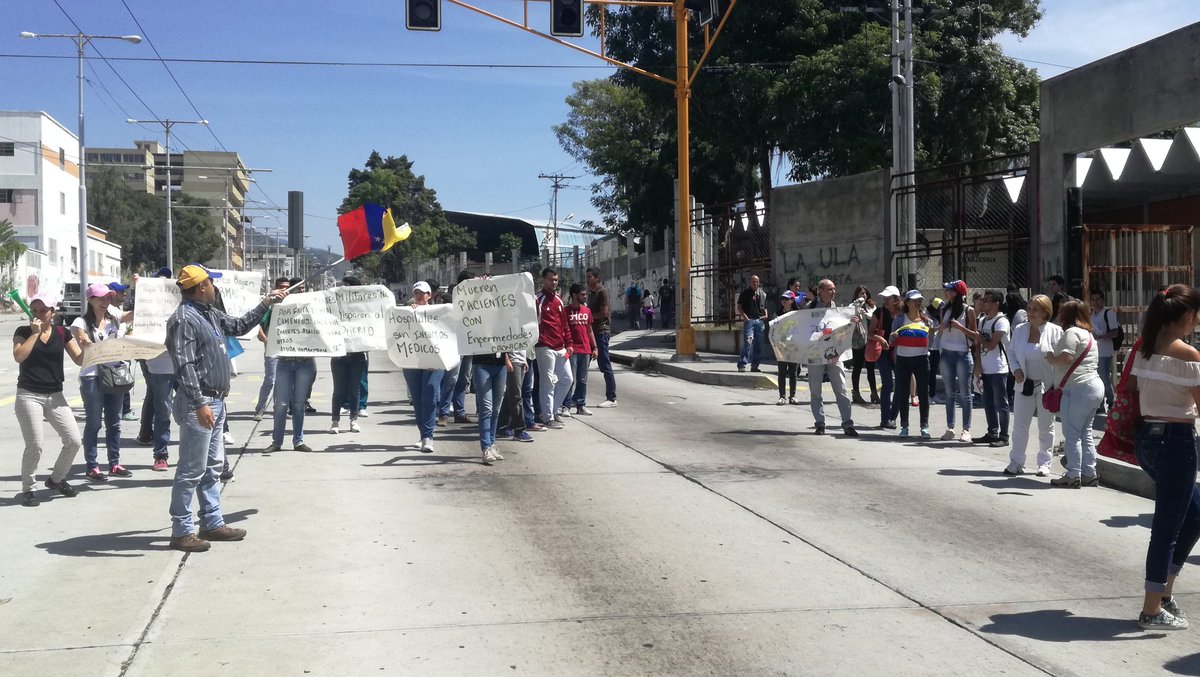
<point>228,437</point>
<point>362,413</point>
<point>564,413</point>
<point>1044,471</point>
<point>426,445</point>
<point>490,454</point>
<point>782,401</point>
<point>965,437</point>
<point>345,411</point>
<point>258,415</point>
<point>583,411</point>
<point>948,435</point>
<point>607,404</point>
<point>333,430</point>
<point>354,427</point>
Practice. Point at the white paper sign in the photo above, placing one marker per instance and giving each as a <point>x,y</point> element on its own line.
<point>302,326</point>
<point>813,335</point>
<point>422,338</point>
<point>156,299</point>
<point>121,349</point>
<point>495,315</point>
<point>362,312</point>
<point>241,290</point>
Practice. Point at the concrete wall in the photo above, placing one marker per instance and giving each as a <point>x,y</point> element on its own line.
<point>1142,90</point>
<point>835,228</point>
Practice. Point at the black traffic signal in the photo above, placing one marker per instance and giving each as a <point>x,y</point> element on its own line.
<point>566,18</point>
<point>423,15</point>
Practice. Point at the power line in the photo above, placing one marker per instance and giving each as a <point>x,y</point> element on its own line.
<point>337,64</point>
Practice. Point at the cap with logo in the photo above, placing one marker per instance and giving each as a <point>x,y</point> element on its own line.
<point>421,286</point>
<point>194,274</point>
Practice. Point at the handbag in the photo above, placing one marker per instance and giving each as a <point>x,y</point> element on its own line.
<point>1052,398</point>
<point>114,378</point>
<point>1123,418</point>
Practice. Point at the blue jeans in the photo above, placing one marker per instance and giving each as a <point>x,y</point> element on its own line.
<point>1105,369</point>
<point>425,387</point>
<point>527,395</point>
<point>579,369</point>
<point>887,405</point>
<point>465,373</point>
<point>957,368</point>
<point>198,470</point>
<point>347,379</point>
<point>293,380</point>
<point>97,406</point>
<point>1167,452</point>
<point>752,344</point>
<point>445,405</point>
<point>270,365</point>
<point>490,381</point>
<point>1079,404</point>
<point>995,403</point>
<point>160,388</point>
<point>605,364</point>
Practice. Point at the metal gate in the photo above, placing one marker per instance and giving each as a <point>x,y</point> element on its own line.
<point>972,223</point>
<point>729,245</point>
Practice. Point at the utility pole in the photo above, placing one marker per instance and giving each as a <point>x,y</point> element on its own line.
<point>557,183</point>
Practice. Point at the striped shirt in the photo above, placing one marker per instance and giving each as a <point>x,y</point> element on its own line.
<point>196,340</point>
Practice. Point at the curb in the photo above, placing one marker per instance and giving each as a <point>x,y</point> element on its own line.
<point>748,380</point>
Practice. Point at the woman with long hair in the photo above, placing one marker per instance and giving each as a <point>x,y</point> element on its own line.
<point>1076,359</point>
<point>1032,375</point>
<point>910,338</point>
<point>956,364</point>
<point>933,315</point>
<point>879,331</point>
<point>1166,376</point>
<point>787,370</point>
<point>100,409</point>
<point>864,307</point>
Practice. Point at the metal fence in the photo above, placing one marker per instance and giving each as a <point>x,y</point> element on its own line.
<point>729,244</point>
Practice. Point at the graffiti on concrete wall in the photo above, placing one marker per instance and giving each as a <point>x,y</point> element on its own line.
<point>844,264</point>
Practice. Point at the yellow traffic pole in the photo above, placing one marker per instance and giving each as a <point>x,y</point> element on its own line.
<point>685,335</point>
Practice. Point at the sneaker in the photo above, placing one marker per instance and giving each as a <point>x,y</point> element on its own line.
<point>129,416</point>
<point>986,439</point>
<point>145,440</point>
<point>782,401</point>
<point>271,448</point>
<point>1066,482</point>
<point>820,428</point>
<point>1093,481</point>
<point>333,429</point>
<point>62,488</point>
<point>1012,470</point>
<point>1001,441</point>
<point>536,428</point>
<point>95,475</point>
<point>496,454</point>
<point>258,415</point>
<point>756,369</point>
<point>426,445</point>
<point>189,543</point>
<point>965,437</point>
<point>904,431</point>
<point>463,418</point>
<point>229,439</point>
<point>888,425</point>
<point>792,400</point>
<point>925,433</point>
<point>582,411</point>
<point>858,399</point>
<point>362,413</point>
<point>29,499</point>
<point>490,455</point>
<point>223,533</point>
<point>1165,620</point>
<point>1170,605</point>
<point>523,437</point>
<point>227,474</point>
<point>849,431</point>
<point>442,422</point>
<point>563,412</point>
<point>119,470</point>
<point>160,465</point>
<point>506,432</point>
<point>607,404</point>
<point>345,411</point>
<point>1044,471</point>
<point>947,436</point>
<point>302,447</point>
<point>741,368</point>
<point>554,425</point>
<point>309,409</point>
<point>354,427</point>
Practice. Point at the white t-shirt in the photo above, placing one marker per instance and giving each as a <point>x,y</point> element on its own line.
<point>993,360</point>
<point>1073,341</point>
<point>1102,323</point>
<point>953,339</point>
<point>109,331</point>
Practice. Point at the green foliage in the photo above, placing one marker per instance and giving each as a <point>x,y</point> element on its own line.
<point>10,252</point>
<point>508,242</point>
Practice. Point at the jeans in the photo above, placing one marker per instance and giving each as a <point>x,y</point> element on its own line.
<point>752,344</point>
<point>787,377</point>
<point>270,365</point>
<point>1167,452</point>
<point>490,380</point>
<point>935,357</point>
<point>1079,404</point>
<point>446,391</point>
<point>1024,410</point>
<point>97,405</point>
<point>956,369</point>
<point>425,387</point>
<point>635,311</point>
<point>887,403</point>
<point>362,387</point>
<point>31,408</point>
<point>555,380</point>
<point>604,363</point>
<point>995,403</point>
<point>198,470</point>
<point>347,379</point>
<point>465,375</point>
<point>146,424</point>
<point>906,369</point>
<point>527,408</point>
<point>837,380</point>
<point>161,388</point>
<point>512,414</point>
<point>293,381</point>
<point>579,368</point>
<point>1105,368</point>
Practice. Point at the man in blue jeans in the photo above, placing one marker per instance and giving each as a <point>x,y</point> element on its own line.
<point>752,308</point>
<point>993,365</point>
<point>269,363</point>
<point>602,328</point>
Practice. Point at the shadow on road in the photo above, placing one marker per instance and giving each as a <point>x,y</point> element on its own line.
<point>958,472</point>
<point>1126,521</point>
<point>1187,665</point>
<point>119,544</point>
<point>1060,625</point>
<point>1013,483</point>
<point>420,460</point>
<point>779,433</point>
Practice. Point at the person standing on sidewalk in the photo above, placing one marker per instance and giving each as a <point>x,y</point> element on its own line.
<point>880,330</point>
<point>462,382</point>
<point>1075,358</point>
<point>490,378</point>
<point>101,409</point>
<point>583,348</point>
<point>957,365</point>
<point>196,334</point>
<point>1106,328</point>
<point>553,350</point>
<point>1032,375</point>
<point>270,363</point>
<point>513,421</point>
<point>819,369</point>
<point>933,315</point>
<point>864,307</point>
<point>601,328</point>
<point>666,304</point>
<point>424,385</point>
<point>38,349</point>
<point>910,340</point>
<point>648,304</point>
<point>787,370</point>
<point>993,360</point>
<point>752,307</point>
<point>1166,377</point>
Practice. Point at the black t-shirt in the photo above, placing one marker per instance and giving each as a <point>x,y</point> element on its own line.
<point>42,371</point>
<point>751,303</point>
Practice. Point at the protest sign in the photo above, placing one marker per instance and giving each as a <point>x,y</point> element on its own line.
<point>156,299</point>
<point>362,312</point>
<point>423,337</point>
<point>121,350</point>
<point>813,335</point>
<point>241,292</point>
<point>302,326</point>
<point>495,315</point>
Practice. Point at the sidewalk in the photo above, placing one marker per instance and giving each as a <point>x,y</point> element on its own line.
<point>721,370</point>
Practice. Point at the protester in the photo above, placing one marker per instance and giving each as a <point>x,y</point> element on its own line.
<point>648,303</point>
<point>864,308</point>
<point>957,324</point>
<point>752,308</point>
<point>514,423</point>
<point>38,349</point>
<point>294,377</point>
<point>424,385</point>
<point>993,364</point>
<point>98,325</point>
<point>583,348</point>
<point>666,304</point>
<point>601,328</point>
<point>1055,289</point>
<point>1075,359</point>
<point>1166,374</point>
<point>490,377</point>
<point>347,373</point>
<point>1013,309</point>
<point>195,340</point>
<point>933,315</point>
<point>819,369</point>
<point>458,394</point>
<point>910,339</point>
<point>633,304</point>
<point>1107,330</point>
<point>787,370</point>
<point>117,307</point>
<point>880,329</point>
<point>553,350</point>
<point>270,363</point>
<point>1033,375</point>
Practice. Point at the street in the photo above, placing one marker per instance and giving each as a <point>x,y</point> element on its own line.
<point>692,530</point>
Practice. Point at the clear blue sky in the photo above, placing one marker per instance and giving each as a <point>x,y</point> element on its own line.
<point>479,136</point>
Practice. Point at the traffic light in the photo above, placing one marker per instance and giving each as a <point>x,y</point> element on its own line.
<point>424,15</point>
<point>566,18</point>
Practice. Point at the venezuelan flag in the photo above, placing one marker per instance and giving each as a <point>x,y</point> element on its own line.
<point>363,231</point>
<point>912,335</point>
<point>392,234</point>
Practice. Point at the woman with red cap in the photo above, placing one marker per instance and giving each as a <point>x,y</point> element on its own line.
<point>955,362</point>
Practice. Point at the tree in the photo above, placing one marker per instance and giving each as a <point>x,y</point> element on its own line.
<point>11,251</point>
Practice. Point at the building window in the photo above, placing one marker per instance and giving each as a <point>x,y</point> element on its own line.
<point>6,196</point>
<point>62,203</point>
<point>62,158</point>
<point>52,249</point>
<point>134,159</point>
<point>8,148</point>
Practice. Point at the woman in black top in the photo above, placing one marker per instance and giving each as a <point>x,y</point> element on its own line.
<point>38,349</point>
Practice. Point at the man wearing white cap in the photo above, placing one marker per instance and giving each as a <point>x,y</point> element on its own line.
<point>819,369</point>
<point>424,385</point>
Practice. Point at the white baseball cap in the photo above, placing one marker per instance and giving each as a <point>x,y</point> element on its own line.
<point>422,286</point>
<point>889,290</point>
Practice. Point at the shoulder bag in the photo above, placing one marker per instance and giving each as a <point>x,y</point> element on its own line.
<point>1052,398</point>
<point>1123,417</point>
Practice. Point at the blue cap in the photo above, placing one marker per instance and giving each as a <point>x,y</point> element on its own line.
<point>118,287</point>
<point>165,271</point>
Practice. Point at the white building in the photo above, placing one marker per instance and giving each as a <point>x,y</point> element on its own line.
<point>39,196</point>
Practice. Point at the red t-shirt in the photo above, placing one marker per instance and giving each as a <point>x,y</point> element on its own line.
<point>553,332</point>
<point>580,321</point>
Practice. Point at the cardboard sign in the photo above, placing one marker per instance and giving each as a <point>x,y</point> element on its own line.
<point>423,337</point>
<point>362,312</point>
<point>302,326</point>
<point>241,290</point>
<point>120,350</point>
<point>157,298</point>
<point>496,314</point>
<point>813,335</point>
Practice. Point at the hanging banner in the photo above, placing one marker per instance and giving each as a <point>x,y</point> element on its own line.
<point>362,312</point>
<point>302,326</point>
<point>813,335</point>
<point>423,337</point>
<point>121,350</point>
<point>156,299</point>
<point>495,314</point>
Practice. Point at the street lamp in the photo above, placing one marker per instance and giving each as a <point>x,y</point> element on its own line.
<point>167,125</point>
<point>81,40</point>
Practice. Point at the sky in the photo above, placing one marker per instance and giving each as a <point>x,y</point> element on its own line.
<point>480,136</point>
